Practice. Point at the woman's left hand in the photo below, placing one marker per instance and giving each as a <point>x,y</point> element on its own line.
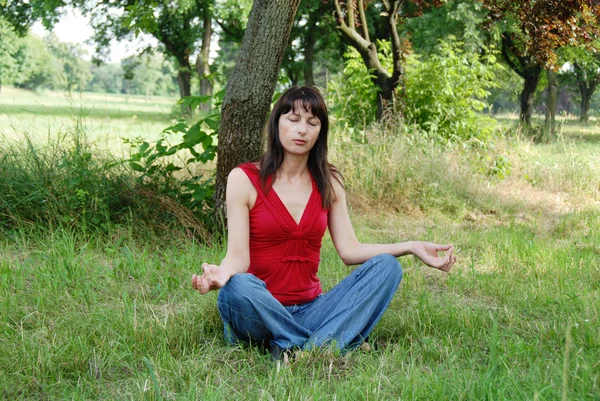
<point>428,253</point>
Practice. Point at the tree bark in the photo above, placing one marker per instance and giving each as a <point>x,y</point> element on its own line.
<point>202,61</point>
<point>551,99</point>
<point>586,98</point>
<point>250,89</point>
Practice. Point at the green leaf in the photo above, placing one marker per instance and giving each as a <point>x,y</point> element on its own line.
<point>207,142</point>
<point>171,167</point>
<point>213,124</point>
<point>180,127</point>
<point>160,147</point>
<point>144,147</point>
<point>137,167</point>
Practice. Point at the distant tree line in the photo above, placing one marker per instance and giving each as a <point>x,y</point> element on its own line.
<point>34,63</point>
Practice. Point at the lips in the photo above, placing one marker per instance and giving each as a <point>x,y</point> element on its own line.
<point>299,141</point>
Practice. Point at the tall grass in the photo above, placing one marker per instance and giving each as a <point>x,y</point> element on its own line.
<point>68,182</point>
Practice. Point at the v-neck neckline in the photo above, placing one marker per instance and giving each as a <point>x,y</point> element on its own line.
<point>297,224</point>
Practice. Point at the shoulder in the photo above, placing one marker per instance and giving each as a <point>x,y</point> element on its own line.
<point>337,181</point>
<point>238,177</point>
<point>240,188</point>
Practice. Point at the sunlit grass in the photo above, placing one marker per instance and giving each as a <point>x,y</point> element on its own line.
<point>106,119</point>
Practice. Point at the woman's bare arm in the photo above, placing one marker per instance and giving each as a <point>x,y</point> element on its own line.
<point>354,252</point>
<point>237,258</point>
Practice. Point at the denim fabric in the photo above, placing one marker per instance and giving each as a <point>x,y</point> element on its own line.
<point>342,317</point>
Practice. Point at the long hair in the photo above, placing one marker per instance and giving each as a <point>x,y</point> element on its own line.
<point>322,171</point>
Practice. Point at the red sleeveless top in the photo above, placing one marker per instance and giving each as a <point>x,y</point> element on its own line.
<point>283,254</point>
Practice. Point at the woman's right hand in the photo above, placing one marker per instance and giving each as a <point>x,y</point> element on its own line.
<point>214,277</point>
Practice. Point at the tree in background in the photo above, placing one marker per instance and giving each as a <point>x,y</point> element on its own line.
<point>313,34</point>
<point>461,19</point>
<point>531,33</point>
<point>148,74</point>
<point>352,23</point>
<point>178,26</point>
<point>586,68</point>
<point>8,48</point>
<point>361,29</point>
<point>37,67</point>
<point>231,17</point>
<point>250,88</point>
<point>75,70</point>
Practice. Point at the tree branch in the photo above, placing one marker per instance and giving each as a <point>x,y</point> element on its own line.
<point>357,41</point>
<point>363,19</point>
<point>350,9</point>
<point>507,44</point>
<point>396,45</point>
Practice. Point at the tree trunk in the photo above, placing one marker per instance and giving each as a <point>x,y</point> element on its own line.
<point>527,95</point>
<point>184,76</point>
<point>586,97</point>
<point>385,103</point>
<point>250,89</point>
<point>551,98</point>
<point>202,61</point>
<point>587,87</point>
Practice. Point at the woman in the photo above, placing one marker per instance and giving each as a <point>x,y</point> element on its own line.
<point>278,210</point>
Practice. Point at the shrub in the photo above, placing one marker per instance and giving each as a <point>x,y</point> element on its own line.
<point>352,96</point>
<point>445,93</point>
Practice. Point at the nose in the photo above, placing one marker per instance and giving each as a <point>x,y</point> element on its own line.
<point>303,128</point>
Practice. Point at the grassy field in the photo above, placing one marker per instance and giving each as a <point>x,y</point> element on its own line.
<point>114,317</point>
<point>105,118</point>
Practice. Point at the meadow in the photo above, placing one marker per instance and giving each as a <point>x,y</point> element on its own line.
<point>112,315</point>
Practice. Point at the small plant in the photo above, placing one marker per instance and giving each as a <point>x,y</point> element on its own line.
<point>183,182</point>
<point>500,168</point>
<point>352,96</point>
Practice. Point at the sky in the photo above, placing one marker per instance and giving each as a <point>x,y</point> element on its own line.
<point>75,28</point>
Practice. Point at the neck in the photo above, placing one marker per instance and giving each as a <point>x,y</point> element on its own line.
<point>293,166</point>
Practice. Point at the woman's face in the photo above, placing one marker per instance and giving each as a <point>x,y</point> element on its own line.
<point>298,130</point>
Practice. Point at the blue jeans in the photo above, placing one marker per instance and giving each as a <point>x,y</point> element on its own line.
<point>342,317</point>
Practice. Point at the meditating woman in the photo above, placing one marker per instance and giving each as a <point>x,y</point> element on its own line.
<point>277,211</point>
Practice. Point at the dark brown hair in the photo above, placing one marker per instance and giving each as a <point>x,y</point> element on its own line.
<point>322,171</point>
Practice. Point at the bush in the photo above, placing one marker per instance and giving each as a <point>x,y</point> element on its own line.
<point>67,182</point>
<point>352,96</point>
<point>445,93</point>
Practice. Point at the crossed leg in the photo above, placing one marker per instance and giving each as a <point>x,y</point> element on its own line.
<point>342,317</point>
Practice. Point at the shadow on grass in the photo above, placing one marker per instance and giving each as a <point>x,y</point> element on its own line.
<point>108,113</point>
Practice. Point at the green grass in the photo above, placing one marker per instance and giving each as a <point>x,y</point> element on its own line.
<point>106,118</point>
<point>114,317</point>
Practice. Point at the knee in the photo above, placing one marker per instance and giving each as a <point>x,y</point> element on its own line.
<point>389,268</point>
<point>238,286</point>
